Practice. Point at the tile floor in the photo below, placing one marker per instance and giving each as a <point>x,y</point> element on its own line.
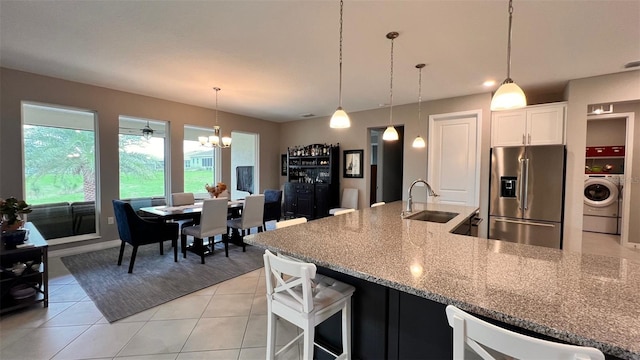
<point>607,245</point>
<point>224,321</point>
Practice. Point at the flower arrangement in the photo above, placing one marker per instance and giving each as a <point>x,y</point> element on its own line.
<point>11,209</point>
<point>214,191</point>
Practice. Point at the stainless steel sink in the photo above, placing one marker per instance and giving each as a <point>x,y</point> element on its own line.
<point>432,216</point>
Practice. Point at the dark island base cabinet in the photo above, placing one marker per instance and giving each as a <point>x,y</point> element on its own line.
<point>391,324</point>
<point>36,278</point>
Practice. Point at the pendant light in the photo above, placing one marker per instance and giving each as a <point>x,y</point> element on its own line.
<point>419,141</point>
<point>390,134</point>
<point>509,95</point>
<point>340,119</point>
<point>216,140</point>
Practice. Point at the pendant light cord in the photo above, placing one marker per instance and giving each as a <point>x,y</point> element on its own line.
<point>509,42</point>
<point>419,90</point>
<point>391,87</point>
<point>216,89</point>
<point>340,88</point>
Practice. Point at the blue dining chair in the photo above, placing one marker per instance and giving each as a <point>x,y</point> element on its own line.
<point>137,231</point>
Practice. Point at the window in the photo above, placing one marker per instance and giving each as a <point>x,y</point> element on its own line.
<point>245,173</point>
<point>200,162</point>
<point>142,161</point>
<point>60,170</point>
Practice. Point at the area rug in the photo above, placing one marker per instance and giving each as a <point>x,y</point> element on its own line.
<point>156,278</point>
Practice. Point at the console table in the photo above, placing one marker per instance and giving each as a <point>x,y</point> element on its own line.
<point>33,251</point>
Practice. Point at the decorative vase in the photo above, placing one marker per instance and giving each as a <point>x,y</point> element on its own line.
<point>6,227</point>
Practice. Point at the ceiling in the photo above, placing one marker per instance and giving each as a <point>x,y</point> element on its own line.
<point>277,60</point>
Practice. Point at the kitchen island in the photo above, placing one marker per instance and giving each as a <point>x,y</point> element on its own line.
<point>407,271</point>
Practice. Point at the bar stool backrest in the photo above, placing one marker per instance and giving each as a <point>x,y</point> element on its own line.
<point>480,335</point>
<point>296,290</point>
<point>285,223</point>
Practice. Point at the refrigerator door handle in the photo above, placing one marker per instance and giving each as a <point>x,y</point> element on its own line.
<point>525,197</point>
<point>525,222</point>
<point>520,184</point>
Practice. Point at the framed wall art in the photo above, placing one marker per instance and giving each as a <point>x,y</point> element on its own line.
<point>353,166</point>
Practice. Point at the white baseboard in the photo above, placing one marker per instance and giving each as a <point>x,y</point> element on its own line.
<point>85,248</point>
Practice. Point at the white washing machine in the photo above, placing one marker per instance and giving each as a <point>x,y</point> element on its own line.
<point>601,203</point>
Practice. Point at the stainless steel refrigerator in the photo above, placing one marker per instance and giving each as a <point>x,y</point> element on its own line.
<point>527,194</point>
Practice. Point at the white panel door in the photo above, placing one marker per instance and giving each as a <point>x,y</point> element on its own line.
<point>453,158</point>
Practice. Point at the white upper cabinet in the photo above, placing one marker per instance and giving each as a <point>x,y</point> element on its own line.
<point>533,125</point>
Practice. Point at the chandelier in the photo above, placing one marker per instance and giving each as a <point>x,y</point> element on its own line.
<point>215,140</point>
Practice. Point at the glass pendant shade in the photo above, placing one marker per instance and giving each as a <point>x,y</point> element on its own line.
<point>419,142</point>
<point>508,96</point>
<point>390,134</point>
<point>340,119</point>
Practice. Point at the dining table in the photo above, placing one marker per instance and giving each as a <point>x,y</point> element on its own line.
<point>192,211</point>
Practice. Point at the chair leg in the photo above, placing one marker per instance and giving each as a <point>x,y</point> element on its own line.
<point>271,336</point>
<point>183,245</point>
<point>225,240</point>
<point>174,243</point>
<point>309,333</point>
<point>121,253</point>
<point>242,240</point>
<point>133,258</point>
<point>200,247</point>
<point>161,247</point>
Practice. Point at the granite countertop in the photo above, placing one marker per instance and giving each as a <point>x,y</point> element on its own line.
<point>579,298</point>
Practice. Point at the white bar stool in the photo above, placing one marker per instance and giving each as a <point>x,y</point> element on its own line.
<point>305,300</point>
<point>490,341</point>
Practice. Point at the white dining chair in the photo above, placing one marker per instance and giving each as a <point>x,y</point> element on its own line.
<point>213,221</point>
<point>286,223</point>
<point>251,217</point>
<point>488,341</point>
<point>349,200</point>
<point>378,204</point>
<point>343,211</point>
<point>181,199</point>
<point>296,294</point>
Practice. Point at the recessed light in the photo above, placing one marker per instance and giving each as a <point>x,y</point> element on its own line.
<point>489,83</point>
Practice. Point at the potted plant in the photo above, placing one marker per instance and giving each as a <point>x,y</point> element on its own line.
<point>11,209</point>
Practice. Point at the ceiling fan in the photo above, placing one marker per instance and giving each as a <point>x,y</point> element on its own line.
<point>147,131</point>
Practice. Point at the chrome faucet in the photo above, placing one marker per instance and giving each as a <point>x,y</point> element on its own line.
<point>430,192</point>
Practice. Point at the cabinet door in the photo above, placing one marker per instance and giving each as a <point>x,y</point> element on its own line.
<point>545,125</point>
<point>322,200</point>
<point>289,199</point>
<point>304,203</point>
<point>508,128</point>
